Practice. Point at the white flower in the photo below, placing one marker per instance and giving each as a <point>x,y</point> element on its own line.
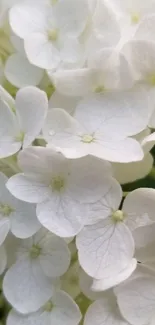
<point>106,248</point>
<point>18,70</point>
<point>101,126</point>
<point>107,70</point>
<point>104,311</point>
<point>131,13</point>
<point>28,284</point>
<point>65,190</point>
<point>16,216</point>
<point>50,33</point>
<point>20,128</point>
<point>59,310</point>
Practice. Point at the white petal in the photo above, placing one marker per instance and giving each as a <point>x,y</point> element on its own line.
<point>66,102</point>
<point>143,235</point>
<point>3,259</point>
<point>104,312</point>
<point>136,300</point>
<point>20,72</point>
<point>148,142</point>
<point>9,129</point>
<point>71,52</point>
<point>6,97</point>
<point>66,311</point>
<point>62,216</point>
<point>59,128</point>
<point>28,190</point>
<point>26,287</point>
<point>141,55</point>
<point>26,18</point>
<point>71,16</point>
<point>31,105</point>
<point>101,285</point>
<point>139,205</point>
<point>117,110</point>
<point>73,82</point>
<point>41,52</point>
<point>105,249</point>
<point>123,151</point>
<point>130,172</point>
<point>4,229</point>
<point>24,222</point>
<point>38,318</point>
<point>146,28</point>
<point>55,256</point>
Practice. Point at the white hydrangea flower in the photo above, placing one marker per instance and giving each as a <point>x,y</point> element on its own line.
<point>50,33</point>
<point>59,310</point>
<point>107,70</point>
<point>131,13</point>
<point>16,216</point>
<point>104,311</point>
<point>28,284</point>
<point>66,191</point>
<point>100,249</point>
<point>20,129</point>
<point>101,126</point>
<point>18,70</point>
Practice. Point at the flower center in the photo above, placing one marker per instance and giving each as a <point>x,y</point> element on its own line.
<point>118,216</point>
<point>20,137</point>
<point>35,251</point>
<point>6,210</point>
<point>135,18</point>
<point>48,306</point>
<point>99,89</point>
<point>151,79</point>
<point>53,2</point>
<point>87,138</point>
<point>53,34</point>
<point>57,183</point>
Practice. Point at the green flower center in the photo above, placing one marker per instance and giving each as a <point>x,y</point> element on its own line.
<point>48,306</point>
<point>99,89</point>
<point>151,79</point>
<point>35,251</point>
<point>57,183</point>
<point>53,34</point>
<point>135,18</point>
<point>118,216</point>
<point>6,210</point>
<point>87,138</point>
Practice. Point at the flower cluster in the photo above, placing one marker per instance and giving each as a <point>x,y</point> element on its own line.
<point>77,120</point>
